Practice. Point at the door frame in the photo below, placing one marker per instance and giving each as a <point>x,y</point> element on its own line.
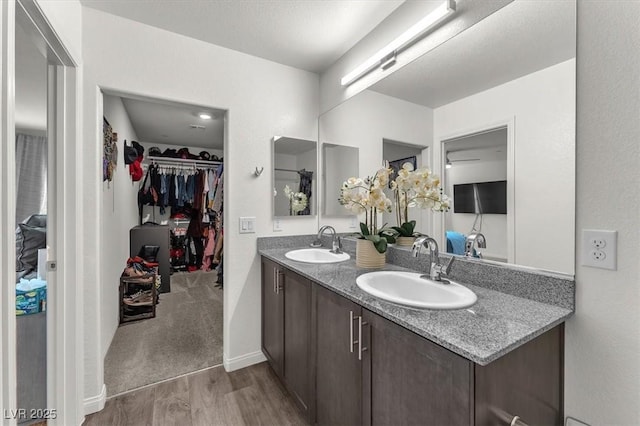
<point>510,124</point>
<point>65,372</point>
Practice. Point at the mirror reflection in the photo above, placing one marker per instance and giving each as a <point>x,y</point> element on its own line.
<point>339,163</point>
<point>496,104</point>
<point>294,177</point>
<point>476,178</point>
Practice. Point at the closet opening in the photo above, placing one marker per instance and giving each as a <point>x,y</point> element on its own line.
<point>162,197</point>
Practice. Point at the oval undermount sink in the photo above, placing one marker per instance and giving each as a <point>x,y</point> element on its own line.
<point>409,289</point>
<point>316,255</point>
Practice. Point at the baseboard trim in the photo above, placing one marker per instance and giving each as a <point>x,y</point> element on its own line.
<point>93,404</point>
<point>243,361</point>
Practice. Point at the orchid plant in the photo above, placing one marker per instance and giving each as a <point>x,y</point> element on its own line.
<point>367,196</point>
<point>297,200</point>
<point>416,188</point>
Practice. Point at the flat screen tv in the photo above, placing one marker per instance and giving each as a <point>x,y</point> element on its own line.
<point>480,197</point>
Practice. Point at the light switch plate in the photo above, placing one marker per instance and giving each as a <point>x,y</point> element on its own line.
<point>247,225</point>
<point>599,248</point>
<point>353,222</point>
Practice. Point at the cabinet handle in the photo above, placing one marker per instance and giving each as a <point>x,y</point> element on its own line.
<point>275,279</point>
<point>278,287</point>
<point>360,348</point>
<point>351,331</point>
<point>517,421</point>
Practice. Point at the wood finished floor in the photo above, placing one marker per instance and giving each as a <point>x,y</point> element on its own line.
<point>251,396</point>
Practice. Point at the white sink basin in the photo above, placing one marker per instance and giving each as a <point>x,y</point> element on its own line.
<point>407,288</point>
<point>316,255</point>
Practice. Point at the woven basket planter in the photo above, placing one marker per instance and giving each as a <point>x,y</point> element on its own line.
<point>405,241</point>
<point>367,256</point>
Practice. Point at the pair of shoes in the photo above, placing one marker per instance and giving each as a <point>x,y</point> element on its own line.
<point>139,298</point>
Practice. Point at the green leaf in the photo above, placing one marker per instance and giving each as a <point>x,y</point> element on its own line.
<point>390,239</point>
<point>381,245</point>
<point>408,228</point>
<point>373,238</point>
<point>364,229</point>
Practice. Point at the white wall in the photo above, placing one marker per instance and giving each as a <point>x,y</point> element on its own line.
<point>363,122</point>
<point>494,226</point>
<point>66,19</point>
<point>602,356</point>
<point>263,99</point>
<point>119,214</point>
<point>543,106</point>
<point>339,164</point>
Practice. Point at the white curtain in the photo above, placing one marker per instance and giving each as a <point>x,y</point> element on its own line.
<point>31,176</point>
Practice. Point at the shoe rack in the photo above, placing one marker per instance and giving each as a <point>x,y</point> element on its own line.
<point>137,298</point>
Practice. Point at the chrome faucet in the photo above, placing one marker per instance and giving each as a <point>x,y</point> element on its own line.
<point>471,241</point>
<point>436,270</point>
<point>336,243</point>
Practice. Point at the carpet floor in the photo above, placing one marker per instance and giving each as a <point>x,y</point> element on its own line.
<point>185,336</point>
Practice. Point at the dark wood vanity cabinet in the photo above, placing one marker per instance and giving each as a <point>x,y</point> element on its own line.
<point>346,365</point>
<point>286,332</point>
<point>273,315</point>
<point>339,371</point>
<point>408,380</point>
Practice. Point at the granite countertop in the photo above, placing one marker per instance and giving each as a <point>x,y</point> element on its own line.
<point>497,324</point>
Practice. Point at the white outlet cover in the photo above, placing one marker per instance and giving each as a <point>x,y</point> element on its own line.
<point>599,248</point>
<point>277,225</point>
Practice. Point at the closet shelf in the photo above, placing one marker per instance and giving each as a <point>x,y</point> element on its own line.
<point>182,161</point>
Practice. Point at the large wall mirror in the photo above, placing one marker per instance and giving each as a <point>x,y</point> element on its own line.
<point>492,112</point>
<point>294,177</point>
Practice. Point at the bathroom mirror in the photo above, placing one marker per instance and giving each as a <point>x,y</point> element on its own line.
<point>294,177</point>
<point>512,76</point>
<point>339,163</point>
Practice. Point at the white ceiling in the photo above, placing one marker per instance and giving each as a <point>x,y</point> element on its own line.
<point>306,34</point>
<point>170,123</point>
<point>523,37</point>
<point>486,146</point>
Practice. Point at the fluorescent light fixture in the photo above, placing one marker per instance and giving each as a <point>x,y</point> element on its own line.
<point>205,116</point>
<point>435,17</point>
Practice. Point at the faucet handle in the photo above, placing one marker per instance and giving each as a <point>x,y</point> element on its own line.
<point>447,268</point>
<point>336,245</point>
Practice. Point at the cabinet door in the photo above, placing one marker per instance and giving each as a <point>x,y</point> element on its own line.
<point>526,382</point>
<point>298,373</point>
<point>407,380</point>
<point>338,371</point>
<point>273,315</point>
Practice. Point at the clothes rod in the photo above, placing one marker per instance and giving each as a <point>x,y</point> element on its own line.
<point>182,161</point>
<point>286,170</point>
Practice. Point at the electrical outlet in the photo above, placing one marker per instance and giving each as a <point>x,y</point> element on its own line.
<point>599,248</point>
<point>277,225</point>
<point>353,223</point>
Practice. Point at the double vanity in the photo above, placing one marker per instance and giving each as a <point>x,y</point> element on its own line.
<point>356,346</point>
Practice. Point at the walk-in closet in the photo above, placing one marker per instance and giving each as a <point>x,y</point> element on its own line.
<point>163,187</point>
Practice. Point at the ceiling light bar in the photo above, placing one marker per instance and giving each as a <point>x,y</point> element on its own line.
<point>435,17</point>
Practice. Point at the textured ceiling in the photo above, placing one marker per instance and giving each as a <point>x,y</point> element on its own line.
<point>521,38</point>
<point>170,124</point>
<point>306,34</point>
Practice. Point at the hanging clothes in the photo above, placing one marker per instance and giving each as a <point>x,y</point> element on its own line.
<point>306,181</point>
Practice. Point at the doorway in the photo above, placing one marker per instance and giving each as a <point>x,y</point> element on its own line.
<point>175,151</point>
<point>24,29</point>
<point>397,153</point>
